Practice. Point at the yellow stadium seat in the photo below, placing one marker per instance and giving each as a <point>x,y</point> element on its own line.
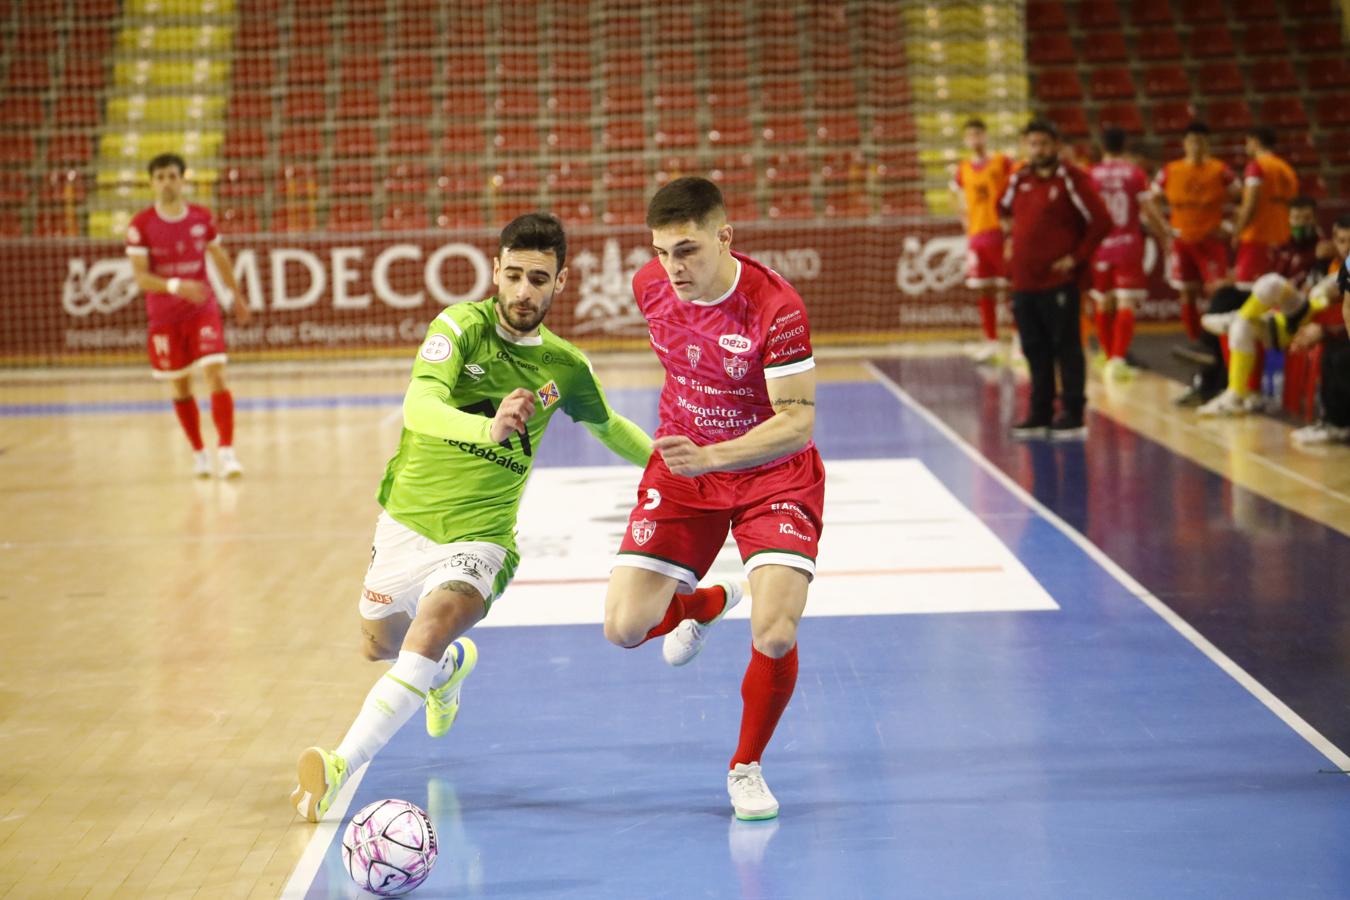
<point>202,73</point>
<point>176,110</point>
<point>208,40</point>
<point>185,8</point>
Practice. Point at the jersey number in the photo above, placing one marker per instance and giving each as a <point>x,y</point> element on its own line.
<point>487,408</point>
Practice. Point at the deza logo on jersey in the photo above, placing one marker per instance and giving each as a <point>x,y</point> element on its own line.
<point>735,343</point>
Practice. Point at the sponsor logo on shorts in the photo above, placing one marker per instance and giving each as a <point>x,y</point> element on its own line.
<point>471,564</point>
<point>548,394</point>
<point>209,332</point>
<point>736,343</point>
<point>161,344</point>
<point>436,348</point>
<point>787,528</point>
<point>791,509</point>
<point>694,353</point>
<point>376,597</point>
<point>736,367</point>
<point>643,529</point>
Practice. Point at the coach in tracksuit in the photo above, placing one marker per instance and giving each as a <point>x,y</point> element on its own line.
<point>1057,221</point>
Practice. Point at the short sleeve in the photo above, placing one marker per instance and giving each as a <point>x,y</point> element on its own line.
<point>583,399</point>
<point>1005,202</point>
<point>957,179</point>
<point>787,340</point>
<point>212,235</point>
<point>1252,174</point>
<point>441,355</point>
<point>136,245</point>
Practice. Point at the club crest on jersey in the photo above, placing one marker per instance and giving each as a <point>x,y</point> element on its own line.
<point>643,529</point>
<point>548,394</point>
<point>736,367</point>
<point>198,230</point>
<point>436,348</point>
<point>694,353</point>
<point>734,342</point>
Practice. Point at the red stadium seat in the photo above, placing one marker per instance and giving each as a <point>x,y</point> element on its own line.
<point>1107,46</point>
<point>1094,15</point>
<point>903,202</point>
<point>573,210</point>
<point>516,139</point>
<point>780,58</point>
<point>469,67</point>
<point>676,131</point>
<point>362,69</point>
<point>77,149</point>
<point>778,22</point>
<point>1209,41</point>
<point>1228,115</point>
<point>416,103</point>
<point>898,166</point>
<point>735,170</point>
<point>256,35</point>
<point>238,220</point>
<point>1121,115</point>
<point>63,186</point>
<point>462,102</point>
<point>35,40</point>
<point>570,137</point>
<point>893,128</point>
<point>1150,12</point>
<point>1333,109</point>
<point>461,138</point>
<point>848,204</point>
<point>22,111</point>
<point>571,178</point>
<point>1254,10</point>
<point>1264,40</point>
<point>240,182</point>
<point>414,70</point>
<point>294,217</point>
<point>517,102</point>
<point>355,140</point>
<point>567,101</point>
<point>1328,72</point>
<point>1310,184</point>
<point>1271,75</point>
<point>311,34</point>
<point>1220,78</point>
<point>245,142</point>
<point>15,187</point>
<point>1337,147</point>
<point>570,67</point>
<point>623,99</point>
<point>301,142</point>
<point>1167,80</point>
<point>623,175</point>
<point>676,98</point>
<point>11,223</point>
<point>1316,37</point>
<point>1071,120</point>
<point>730,130</point>
<point>250,106</point>
<point>1111,82</point>
<point>626,133</point>
<point>783,130</point>
<point>835,92</point>
<point>831,56</point>
<point>785,170</point>
<point>357,103</point>
<point>1310,9</point>
<point>1202,10</point>
<point>1299,150</point>
<point>673,65</point>
<point>410,217</point>
<point>304,105</point>
<point>622,65</point>
<point>1046,15</point>
<point>307,68</point>
<point>624,209</point>
<point>349,218</point>
<point>413,139</point>
<point>413,179</point>
<point>89,43</point>
<point>1283,112</point>
<point>838,128</point>
<point>1159,44</point>
<point>361,33</point>
<point>1048,49</point>
<point>889,91</point>
<point>781,95</point>
<point>1059,84</point>
<point>57,223</point>
<point>728,96</point>
<point>796,206</point>
<point>461,214</point>
<point>29,73</point>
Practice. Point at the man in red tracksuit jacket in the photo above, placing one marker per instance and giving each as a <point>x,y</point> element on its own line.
<point>1057,221</point>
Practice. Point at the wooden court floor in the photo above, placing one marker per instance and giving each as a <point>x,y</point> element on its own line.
<point>170,644</point>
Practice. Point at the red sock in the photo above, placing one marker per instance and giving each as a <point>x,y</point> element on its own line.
<point>989,318</point>
<point>190,419</point>
<point>1122,333</point>
<point>1223,348</point>
<point>1254,380</point>
<point>1106,329</point>
<point>1190,317</point>
<point>703,604</point>
<point>222,413</point>
<point>765,692</point>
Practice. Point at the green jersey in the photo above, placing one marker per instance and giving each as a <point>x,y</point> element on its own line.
<point>461,486</point>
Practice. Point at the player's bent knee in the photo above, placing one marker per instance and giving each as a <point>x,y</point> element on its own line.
<point>624,629</point>
<point>777,639</point>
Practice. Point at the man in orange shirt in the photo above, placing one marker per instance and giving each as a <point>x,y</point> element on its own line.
<point>1196,189</point>
<point>1262,225</point>
<point>979,182</point>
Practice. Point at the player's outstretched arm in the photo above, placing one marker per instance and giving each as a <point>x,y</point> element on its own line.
<point>427,410</point>
<point>221,258</point>
<point>789,430</point>
<point>623,436</point>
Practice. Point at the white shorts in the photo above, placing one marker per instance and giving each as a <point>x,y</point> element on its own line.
<point>406,566</point>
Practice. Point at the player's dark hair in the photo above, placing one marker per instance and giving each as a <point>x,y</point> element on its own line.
<point>1342,223</point>
<point>1264,136</point>
<point>1113,140</point>
<point>536,231</point>
<point>1041,126</point>
<point>1197,127</point>
<point>684,200</point>
<point>164,160</point>
<point>1303,201</point>
<point>974,122</point>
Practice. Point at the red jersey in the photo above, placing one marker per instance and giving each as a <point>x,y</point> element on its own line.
<point>719,354</point>
<point>1120,184</point>
<point>176,249</point>
<point>1052,217</point>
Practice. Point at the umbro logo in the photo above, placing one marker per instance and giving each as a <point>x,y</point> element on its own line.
<point>474,371</point>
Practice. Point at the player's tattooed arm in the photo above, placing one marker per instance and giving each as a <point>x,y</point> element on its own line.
<point>792,401</point>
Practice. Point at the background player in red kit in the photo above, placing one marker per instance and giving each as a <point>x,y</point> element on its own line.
<point>1118,278</point>
<point>167,244</point>
<point>733,451</point>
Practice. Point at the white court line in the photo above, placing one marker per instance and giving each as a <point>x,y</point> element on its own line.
<point>302,879</point>
<point>1168,615</point>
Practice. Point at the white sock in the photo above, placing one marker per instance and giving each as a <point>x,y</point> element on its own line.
<point>447,667</point>
<point>398,694</point>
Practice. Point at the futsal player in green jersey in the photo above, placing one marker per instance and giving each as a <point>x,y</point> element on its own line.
<point>486,383</point>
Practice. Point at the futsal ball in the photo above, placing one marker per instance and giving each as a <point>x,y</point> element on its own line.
<point>389,847</point>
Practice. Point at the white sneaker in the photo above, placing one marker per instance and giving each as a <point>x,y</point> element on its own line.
<point>1217,323</point>
<point>1320,433</point>
<point>201,464</point>
<point>750,796</point>
<point>686,640</point>
<point>1229,403</point>
<point>229,463</point>
<point>990,352</point>
<point>1117,369</point>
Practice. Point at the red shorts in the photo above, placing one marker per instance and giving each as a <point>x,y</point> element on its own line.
<point>1120,267</point>
<point>1201,263</point>
<point>176,346</point>
<point>985,265</point>
<point>679,524</point>
<point>1253,261</point>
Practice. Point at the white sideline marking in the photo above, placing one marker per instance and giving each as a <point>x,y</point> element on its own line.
<point>1314,737</point>
<point>302,879</point>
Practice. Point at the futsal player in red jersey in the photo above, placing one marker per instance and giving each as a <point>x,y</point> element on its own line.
<point>734,451</point>
<point>167,244</point>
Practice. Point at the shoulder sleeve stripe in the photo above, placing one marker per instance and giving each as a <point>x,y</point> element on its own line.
<point>1073,195</point>
<point>795,367</point>
<point>454,326</point>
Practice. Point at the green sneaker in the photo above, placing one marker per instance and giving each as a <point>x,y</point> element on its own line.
<point>322,774</point>
<point>443,702</point>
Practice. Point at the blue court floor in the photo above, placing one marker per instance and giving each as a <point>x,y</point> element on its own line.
<point>1090,751</point>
